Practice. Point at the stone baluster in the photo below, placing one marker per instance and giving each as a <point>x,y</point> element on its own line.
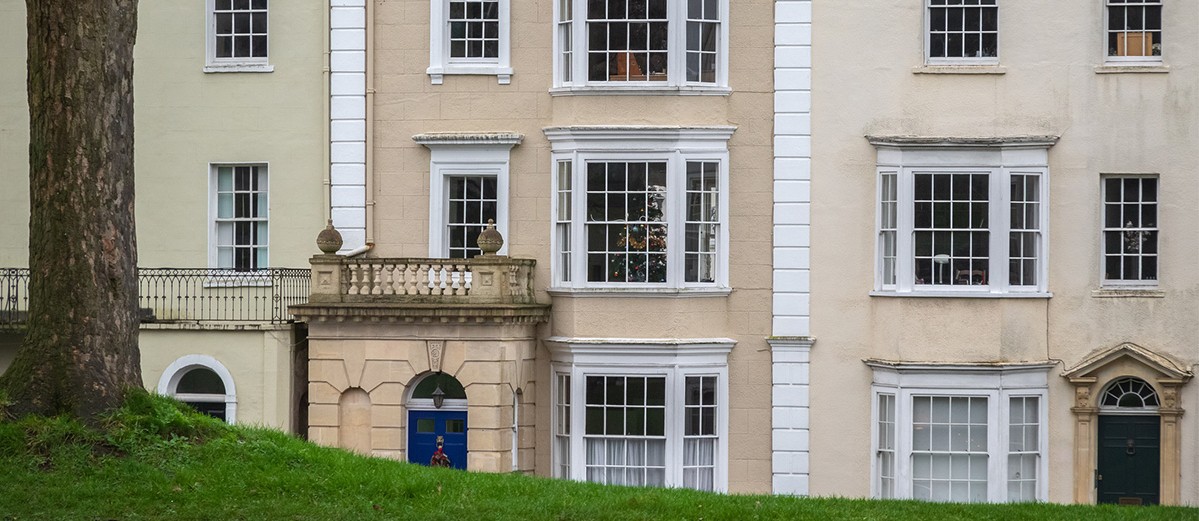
<point>376,279</point>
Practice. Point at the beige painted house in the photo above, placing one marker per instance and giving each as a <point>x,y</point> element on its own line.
<point>230,126</point>
<point>625,151</point>
<point>1005,297</point>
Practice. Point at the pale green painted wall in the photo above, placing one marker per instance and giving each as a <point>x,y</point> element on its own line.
<point>185,119</point>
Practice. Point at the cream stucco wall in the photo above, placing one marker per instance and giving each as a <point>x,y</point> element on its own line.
<point>865,82</point>
<point>259,360</point>
<point>186,119</point>
<point>406,103</point>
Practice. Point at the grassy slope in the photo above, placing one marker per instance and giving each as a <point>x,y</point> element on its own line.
<point>156,461</point>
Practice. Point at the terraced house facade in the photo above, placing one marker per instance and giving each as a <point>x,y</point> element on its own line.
<point>624,151</point>
<point>929,249</point>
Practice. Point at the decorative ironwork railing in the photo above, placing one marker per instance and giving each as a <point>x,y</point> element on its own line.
<point>188,294</point>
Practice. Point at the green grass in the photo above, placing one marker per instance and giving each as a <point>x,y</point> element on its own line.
<point>156,460</point>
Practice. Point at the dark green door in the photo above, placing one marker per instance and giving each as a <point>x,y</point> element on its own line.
<point>1129,459</point>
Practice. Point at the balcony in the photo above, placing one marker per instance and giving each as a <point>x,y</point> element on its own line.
<point>186,295</point>
<point>482,289</point>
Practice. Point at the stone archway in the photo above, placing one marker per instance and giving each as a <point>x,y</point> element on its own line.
<point>1095,373</point>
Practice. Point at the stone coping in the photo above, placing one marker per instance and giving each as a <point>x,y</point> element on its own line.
<point>423,313</point>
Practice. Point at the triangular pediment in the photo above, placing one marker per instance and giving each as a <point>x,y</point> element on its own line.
<point>1097,360</point>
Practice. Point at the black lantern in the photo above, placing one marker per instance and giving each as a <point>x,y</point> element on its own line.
<point>438,397</point>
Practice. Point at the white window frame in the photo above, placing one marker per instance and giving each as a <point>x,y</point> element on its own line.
<point>673,359</point>
<point>169,381</point>
<point>239,278</point>
<point>996,383</point>
<point>998,158</point>
<point>677,55</point>
<point>1130,60</point>
<point>214,64</point>
<point>464,154</point>
<point>963,60</point>
<point>1142,283</point>
<point>442,64</point>
<point>674,145</point>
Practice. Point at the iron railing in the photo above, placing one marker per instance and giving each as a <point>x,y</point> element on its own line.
<point>188,294</point>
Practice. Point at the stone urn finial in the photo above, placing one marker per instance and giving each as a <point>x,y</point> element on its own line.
<point>329,240</point>
<point>490,240</point>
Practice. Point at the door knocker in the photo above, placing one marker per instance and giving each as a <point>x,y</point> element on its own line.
<point>1131,449</point>
<point>439,458</point>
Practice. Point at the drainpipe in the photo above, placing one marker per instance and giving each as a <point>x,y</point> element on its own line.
<point>370,126</point>
<point>326,160</point>
<point>516,429</point>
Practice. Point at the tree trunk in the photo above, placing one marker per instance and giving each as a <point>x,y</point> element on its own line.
<point>80,352</point>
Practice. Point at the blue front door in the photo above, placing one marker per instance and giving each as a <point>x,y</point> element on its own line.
<point>425,428</point>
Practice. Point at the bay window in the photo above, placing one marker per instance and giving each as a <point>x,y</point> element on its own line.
<point>962,218</point>
<point>650,414</point>
<point>641,44</point>
<point>967,434</point>
<point>640,208</point>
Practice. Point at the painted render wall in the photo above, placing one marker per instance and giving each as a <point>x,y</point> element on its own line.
<point>406,103</point>
<point>259,359</point>
<point>184,120</point>
<point>868,58</point>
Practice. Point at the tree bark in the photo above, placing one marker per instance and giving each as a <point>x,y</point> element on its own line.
<point>80,352</point>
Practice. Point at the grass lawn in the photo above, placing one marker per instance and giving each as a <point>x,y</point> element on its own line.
<point>155,460</point>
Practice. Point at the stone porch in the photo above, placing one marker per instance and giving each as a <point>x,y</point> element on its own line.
<point>377,326</point>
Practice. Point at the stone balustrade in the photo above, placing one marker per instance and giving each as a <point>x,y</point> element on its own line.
<point>481,280</point>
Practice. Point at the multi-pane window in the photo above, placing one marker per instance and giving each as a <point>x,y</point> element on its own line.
<point>562,426</point>
<point>951,228</point>
<point>959,433</point>
<point>566,39</point>
<point>651,42</point>
<point>699,433</point>
<point>645,219</point>
<point>627,40</point>
<point>626,225</point>
<point>562,218</point>
<point>703,220</point>
<point>1024,448</point>
<point>1025,237</point>
<point>474,28</point>
<point>949,448</point>
<point>888,225</point>
<point>886,446</point>
<point>1130,230</point>
<point>472,203</point>
<point>625,430</point>
<point>627,413</point>
<point>703,33</point>
<point>1134,30</point>
<point>241,217</point>
<point>948,226</point>
<point>240,29</point>
<point>469,37</point>
<point>963,30</point>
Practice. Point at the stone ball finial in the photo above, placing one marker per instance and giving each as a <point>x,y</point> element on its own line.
<point>329,240</point>
<point>490,240</point>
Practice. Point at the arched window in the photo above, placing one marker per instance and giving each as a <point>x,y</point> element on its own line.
<point>453,397</point>
<point>203,383</point>
<point>1129,393</point>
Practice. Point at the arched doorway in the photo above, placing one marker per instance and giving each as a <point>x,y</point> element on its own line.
<point>437,418</point>
<point>1128,467</point>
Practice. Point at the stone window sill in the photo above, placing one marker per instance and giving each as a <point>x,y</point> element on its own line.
<point>960,69</point>
<point>1127,293</point>
<point>1131,69</point>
